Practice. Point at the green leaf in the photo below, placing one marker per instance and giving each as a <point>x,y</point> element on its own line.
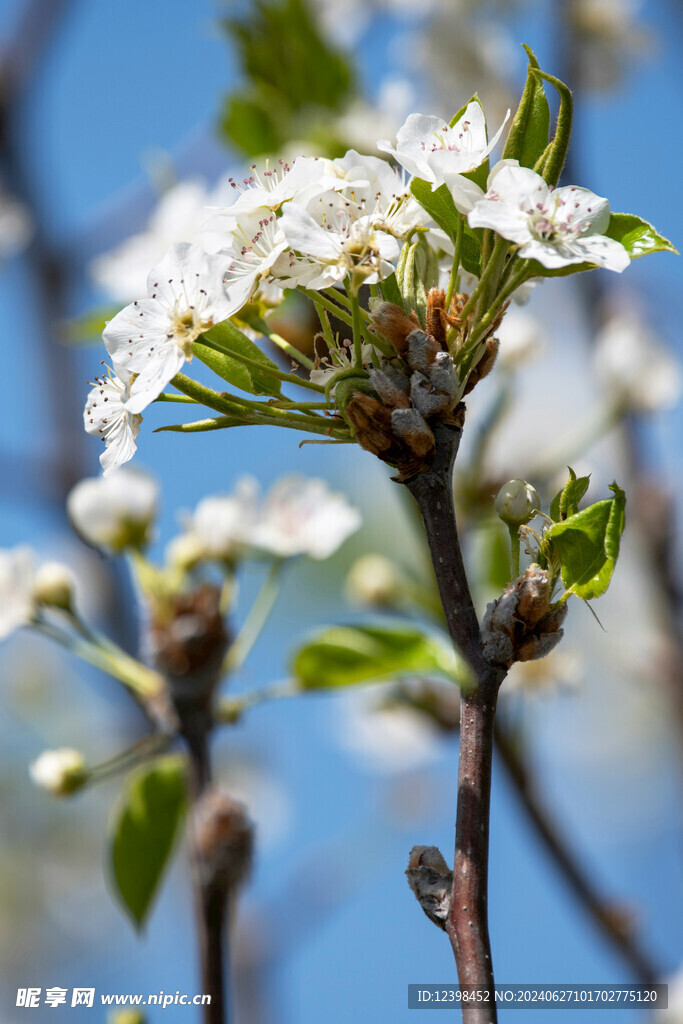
<point>344,655</point>
<point>292,76</point>
<point>230,362</point>
<point>551,161</point>
<point>390,290</point>
<point>587,545</point>
<point>248,122</point>
<point>82,330</point>
<point>528,135</point>
<point>410,277</point>
<point>637,236</point>
<point>566,502</point>
<point>142,832</point>
<point>438,204</point>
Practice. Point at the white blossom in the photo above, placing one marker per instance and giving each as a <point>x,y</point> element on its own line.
<point>54,586</point>
<point>379,191</point>
<point>116,511</point>
<point>60,772</point>
<point>557,227</point>
<point>302,516</point>
<point>635,365</point>
<point>253,242</point>
<point>521,339</point>
<point>17,601</point>
<point>435,152</point>
<point>268,189</point>
<point>332,241</point>
<point>340,359</point>
<point>153,337</point>
<point>107,416</point>
<point>386,739</point>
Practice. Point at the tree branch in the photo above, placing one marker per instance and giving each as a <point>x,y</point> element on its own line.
<point>467,925</point>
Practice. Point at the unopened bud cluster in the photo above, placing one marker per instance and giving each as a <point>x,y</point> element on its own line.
<point>520,625</point>
<point>517,502</point>
<point>393,413</point>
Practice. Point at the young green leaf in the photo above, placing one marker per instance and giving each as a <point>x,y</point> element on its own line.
<point>528,135</point>
<point>390,291</point>
<point>637,236</point>
<point>410,277</point>
<point>587,545</point>
<point>550,163</point>
<point>142,832</point>
<point>566,502</point>
<point>438,204</point>
<point>344,655</point>
<point>235,360</point>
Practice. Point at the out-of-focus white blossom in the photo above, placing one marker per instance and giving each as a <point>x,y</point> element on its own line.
<point>17,601</point>
<point>60,772</point>
<point>385,739</point>
<point>16,227</point>
<point>558,227</point>
<point>635,365</point>
<point>107,416</point>
<point>521,339</point>
<point>298,516</point>
<point>302,516</point>
<point>179,216</point>
<point>116,511</point>
<point>374,579</point>
<point>54,585</point>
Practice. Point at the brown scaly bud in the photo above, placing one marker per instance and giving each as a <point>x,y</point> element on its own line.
<point>484,366</point>
<point>393,324</point>
<point>456,418</point>
<point>428,399</point>
<point>189,643</point>
<point>519,625</point>
<point>409,425</point>
<point>392,387</point>
<point>437,321</point>
<point>371,422</point>
<point>431,880</point>
<point>422,350</point>
<point>224,840</point>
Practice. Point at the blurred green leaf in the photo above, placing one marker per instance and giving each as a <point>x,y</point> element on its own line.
<point>82,330</point>
<point>566,502</point>
<point>142,832</point>
<point>344,655</point>
<point>587,545</point>
<point>293,76</point>
<point>528,135</point>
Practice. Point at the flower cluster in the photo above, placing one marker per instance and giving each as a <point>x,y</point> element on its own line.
<point>330,227</point>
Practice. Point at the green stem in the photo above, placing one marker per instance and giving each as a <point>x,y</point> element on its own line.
<point>271,371</point>
<point>514,550</point>
<point>455,269</point>
<point>140,680</point>
<point>481,290</point>
<point>281,343</point>
<point>255,620</point>
<point>230,709</point>
<point>357,333</point>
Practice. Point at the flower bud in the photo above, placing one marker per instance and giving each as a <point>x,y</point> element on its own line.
<point>114,512</point>
<point>54,586</point>
<point>185,551</point>
<point>374,580</point>
<point>517,502</point>
<point>60,772</point>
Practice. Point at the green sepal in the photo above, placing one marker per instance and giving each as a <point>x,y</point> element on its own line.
<point>345,655</point>
<point>142,832</point>
<point>566,501</point>
<point>528,135</point>
<point>587,545</point>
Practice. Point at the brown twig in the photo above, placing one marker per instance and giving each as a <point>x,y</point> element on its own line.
<point>467,926</point>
